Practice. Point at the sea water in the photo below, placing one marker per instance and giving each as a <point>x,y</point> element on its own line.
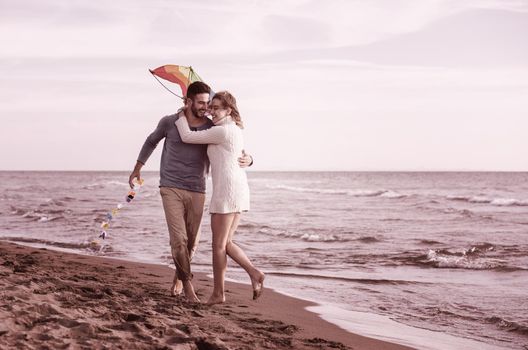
<point>440,253</point>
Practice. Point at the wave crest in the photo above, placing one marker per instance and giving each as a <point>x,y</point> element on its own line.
<point>509,326</point>
<point>501,202</point>
<point>93,246</point>
<point>473,258</point>
<point>352,193</point>
<point>304,236</point>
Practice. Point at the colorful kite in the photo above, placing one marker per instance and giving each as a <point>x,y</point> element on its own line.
<point>180,75</point>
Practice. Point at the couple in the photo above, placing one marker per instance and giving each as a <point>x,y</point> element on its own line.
<point>192,143</point>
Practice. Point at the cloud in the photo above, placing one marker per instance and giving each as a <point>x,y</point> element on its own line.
<point>472,38</point>
<point>135,28</point>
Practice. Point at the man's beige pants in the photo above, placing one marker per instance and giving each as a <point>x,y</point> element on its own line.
<point>183,212</point>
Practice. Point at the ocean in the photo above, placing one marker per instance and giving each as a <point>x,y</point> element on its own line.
<point>437,260</point>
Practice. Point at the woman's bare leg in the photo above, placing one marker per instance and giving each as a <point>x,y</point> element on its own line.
<point>220,225</point>
<point>239,256</point>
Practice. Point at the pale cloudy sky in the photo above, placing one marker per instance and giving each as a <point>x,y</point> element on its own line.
<point>321,85</point>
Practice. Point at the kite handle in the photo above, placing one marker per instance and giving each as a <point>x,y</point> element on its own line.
<point>159,81</point>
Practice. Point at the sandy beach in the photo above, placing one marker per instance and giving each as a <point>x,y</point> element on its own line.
<point>60,300</point>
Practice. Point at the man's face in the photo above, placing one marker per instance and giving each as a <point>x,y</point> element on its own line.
<point>199,105</point>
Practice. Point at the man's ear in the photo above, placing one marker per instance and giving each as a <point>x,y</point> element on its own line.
<point>187,102</point>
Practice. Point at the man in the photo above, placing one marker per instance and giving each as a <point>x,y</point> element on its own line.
<point>182,183</point>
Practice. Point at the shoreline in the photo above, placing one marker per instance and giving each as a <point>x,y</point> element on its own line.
<point>90,301</point>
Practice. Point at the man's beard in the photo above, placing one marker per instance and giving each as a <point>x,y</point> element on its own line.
<point>196,113</point>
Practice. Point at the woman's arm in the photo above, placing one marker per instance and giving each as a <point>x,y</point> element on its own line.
<point>213,135</point>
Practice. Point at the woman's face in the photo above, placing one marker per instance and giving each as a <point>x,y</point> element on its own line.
<point>218,111</point>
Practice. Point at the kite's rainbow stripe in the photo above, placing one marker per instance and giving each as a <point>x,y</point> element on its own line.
<point>180,75</point>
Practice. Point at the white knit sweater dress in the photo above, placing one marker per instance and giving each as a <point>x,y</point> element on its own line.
<point>225,140</point>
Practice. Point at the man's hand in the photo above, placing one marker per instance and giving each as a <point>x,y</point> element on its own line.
<point>245,161</point>
<point>136,174</point>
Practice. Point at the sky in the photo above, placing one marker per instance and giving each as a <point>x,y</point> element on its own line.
<point>341,85</point>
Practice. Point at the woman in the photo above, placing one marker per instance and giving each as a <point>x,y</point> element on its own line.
<point>230,188</point>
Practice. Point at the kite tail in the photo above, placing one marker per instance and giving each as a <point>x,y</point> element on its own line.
<point>111,215</point>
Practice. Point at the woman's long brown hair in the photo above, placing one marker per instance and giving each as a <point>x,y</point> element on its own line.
<point>229,101</point>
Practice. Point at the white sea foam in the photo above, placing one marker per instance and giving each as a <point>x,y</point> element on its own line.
<point>353,193</point>
<point>463,260</point>
<point>509,202</point>
<point>488,200</point>
<point>307,190</point>
<point>318,238</point>
<point>393,194</point>
<point>382,327</point>
<point>479,199</point>
<point>305,236</point>
<point>365,193</point>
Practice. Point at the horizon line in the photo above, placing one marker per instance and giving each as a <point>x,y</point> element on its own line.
<point>289,171</point>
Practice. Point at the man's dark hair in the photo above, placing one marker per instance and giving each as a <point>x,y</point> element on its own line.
<point>196,88</point>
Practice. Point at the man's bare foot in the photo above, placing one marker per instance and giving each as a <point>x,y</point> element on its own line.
<point>216,299</point>
<point>177,287</point>
<point>188,291</point>
<point>257,281</point>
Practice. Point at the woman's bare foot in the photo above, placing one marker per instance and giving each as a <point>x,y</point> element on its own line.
<point>188,291</point>
<point>216,299</point>
<point>257,281</point>
<point>177,287</point>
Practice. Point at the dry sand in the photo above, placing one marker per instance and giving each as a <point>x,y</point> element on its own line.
<point>57,300</point>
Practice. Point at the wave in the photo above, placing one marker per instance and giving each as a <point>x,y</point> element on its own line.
<point>509,326</point>
<point>465,213</point>
<point>368,239</point>
<point>93,246</point>
<point>40,215</point>
<point>371,281</point>
<point>393,194</point>
<point>482,256</point>
<point>390,194</point>
<point>312,235</point>
<point>501,202</point>
<point>473,258</point>
<point>353,193</point>
<point>428,241</point>
<point>304,236</point>
<point>104,184</point>
<point>444,259</point>
<point>52,202</point>
<point>392,219</point>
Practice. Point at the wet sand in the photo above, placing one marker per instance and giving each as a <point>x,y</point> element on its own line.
<point>60,300</point>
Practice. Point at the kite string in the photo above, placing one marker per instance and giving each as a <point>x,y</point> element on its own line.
<point>190,72</point>
<point>169,90</point>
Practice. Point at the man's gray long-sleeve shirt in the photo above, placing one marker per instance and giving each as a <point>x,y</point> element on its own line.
<point>182,165</point>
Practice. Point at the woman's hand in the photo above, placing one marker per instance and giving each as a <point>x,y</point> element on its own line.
<point>245,160</point>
